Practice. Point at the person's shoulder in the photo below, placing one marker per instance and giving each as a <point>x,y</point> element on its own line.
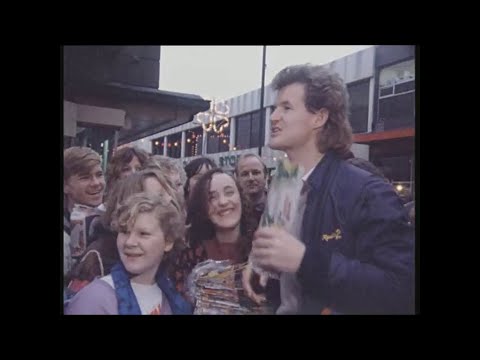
<point>102,283</point>
<point>96,298</point>
<point>108,280</point>
<point>372,193</point>
<point>350,180</point>
<point>354,172</point>
<point>356,178</point>
<point>353,186</point>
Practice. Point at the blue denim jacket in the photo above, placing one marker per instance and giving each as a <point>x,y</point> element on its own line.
<point>178,304</point>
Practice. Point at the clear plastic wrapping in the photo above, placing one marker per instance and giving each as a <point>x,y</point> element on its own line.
<point>216,287</point>
<point>282,203</point>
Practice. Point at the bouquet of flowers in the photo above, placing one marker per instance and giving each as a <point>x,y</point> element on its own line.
<point>216,287</point>
<point>282,202</point>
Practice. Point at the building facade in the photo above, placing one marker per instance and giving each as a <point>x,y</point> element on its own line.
<point>391,138</point>
<point>381,86</point>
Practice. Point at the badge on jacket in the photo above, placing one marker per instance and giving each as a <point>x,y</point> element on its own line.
<point>337,235</point>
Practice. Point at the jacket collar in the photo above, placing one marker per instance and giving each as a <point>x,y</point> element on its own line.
<point>316,177</point>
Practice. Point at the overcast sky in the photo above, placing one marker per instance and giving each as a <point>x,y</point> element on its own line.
<point>227,71</point>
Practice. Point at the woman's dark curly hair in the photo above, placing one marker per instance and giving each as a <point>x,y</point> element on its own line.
<point>193,167</point>
<point>323,89</point>
<point>201,227</point>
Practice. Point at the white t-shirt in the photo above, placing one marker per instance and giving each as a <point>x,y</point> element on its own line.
<point>149,297</point>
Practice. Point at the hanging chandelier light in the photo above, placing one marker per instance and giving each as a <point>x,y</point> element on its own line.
<point>216,118</point>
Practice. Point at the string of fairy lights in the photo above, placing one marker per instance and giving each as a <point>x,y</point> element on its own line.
<point>214,122</point>
<point>215,119</point>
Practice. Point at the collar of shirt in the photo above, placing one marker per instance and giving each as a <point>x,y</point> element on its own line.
<point>307,175</point>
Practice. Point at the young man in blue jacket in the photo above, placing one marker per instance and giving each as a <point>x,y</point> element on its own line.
<point>354,250</point>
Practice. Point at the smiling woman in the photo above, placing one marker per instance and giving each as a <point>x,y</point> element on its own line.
<point>221,221</point>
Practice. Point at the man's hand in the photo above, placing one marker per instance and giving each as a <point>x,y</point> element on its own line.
<point>247,276</point>
<point>277,250</point>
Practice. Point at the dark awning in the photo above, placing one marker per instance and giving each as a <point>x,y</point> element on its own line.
<point>148,110</point>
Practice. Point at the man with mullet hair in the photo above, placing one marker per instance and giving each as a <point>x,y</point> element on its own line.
<point>351,248</point>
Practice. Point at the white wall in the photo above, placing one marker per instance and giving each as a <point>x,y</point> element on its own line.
<point>361,151</point>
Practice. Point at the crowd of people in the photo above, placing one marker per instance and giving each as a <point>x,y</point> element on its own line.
<point>133,236</point>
